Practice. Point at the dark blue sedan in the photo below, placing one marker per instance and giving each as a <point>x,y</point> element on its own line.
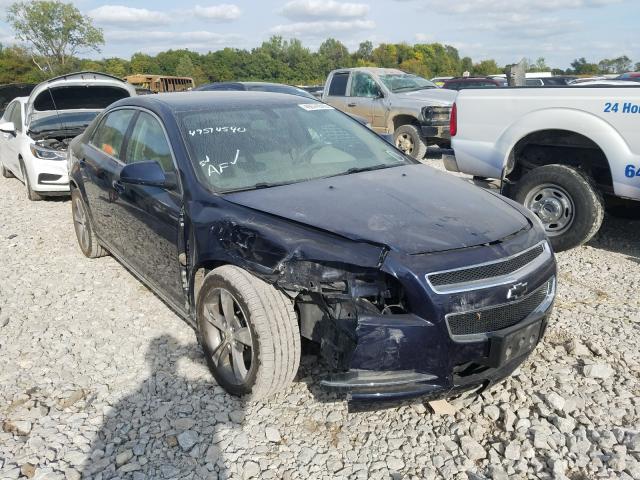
<point>262,218</point>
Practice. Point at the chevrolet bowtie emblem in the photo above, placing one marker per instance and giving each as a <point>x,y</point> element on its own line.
<point>517,291</point>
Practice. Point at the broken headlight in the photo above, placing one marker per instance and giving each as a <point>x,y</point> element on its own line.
<point>45,153</point>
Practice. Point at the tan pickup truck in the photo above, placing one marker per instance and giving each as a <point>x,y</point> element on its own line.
<point>410,107</point>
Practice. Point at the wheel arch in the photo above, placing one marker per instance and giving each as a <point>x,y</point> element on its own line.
<point>403,119</point>
<point>560,146</point>
<point>579,124</point>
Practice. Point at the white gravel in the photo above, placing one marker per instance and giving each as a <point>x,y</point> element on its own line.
<point>98,378</point>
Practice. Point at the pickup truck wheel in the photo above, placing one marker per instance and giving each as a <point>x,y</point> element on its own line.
<point>407,138</point>
<point>565,200</point>
<point>249,333</point>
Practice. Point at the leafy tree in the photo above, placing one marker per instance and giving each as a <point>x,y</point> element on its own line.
<point>365,49</point>
<point>333,54</point>
<point>55,31</point>
<point>185,67</point>
<point>582,67</point>
<point>143,63</point>
<point>637,67</point>
<point>486,67</point>
<point>540,65</point>
<point>466,65</point>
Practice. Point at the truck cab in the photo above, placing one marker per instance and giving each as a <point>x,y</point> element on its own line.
<point>407,106</point>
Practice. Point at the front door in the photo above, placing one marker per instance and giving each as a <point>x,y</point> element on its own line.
<point>100,165</point>
<point>365,97</point>
<point>152,214</point>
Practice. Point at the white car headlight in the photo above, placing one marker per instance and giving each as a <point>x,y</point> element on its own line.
<point>47,153</point>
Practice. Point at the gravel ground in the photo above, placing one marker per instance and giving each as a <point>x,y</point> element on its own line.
<point>98,378</point>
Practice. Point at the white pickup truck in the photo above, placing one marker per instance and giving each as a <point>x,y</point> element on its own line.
<point>559,151</point>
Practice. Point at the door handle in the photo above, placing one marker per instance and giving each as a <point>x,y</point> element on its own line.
<point>118,186</point>
<point>351,104</point>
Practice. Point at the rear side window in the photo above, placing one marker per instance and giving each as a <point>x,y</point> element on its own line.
<point>338,87</point>
<point>109,135</point>
<point>149,143</point>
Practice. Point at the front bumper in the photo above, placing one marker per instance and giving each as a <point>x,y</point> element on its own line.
<point>400,342</point>
<point>49,176</point>
<point>429,131</point>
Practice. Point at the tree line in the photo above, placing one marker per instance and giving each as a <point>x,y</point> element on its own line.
<point>54,33</point>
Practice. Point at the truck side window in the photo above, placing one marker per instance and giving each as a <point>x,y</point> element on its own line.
<point>362,85</point>
<point>338,87</point>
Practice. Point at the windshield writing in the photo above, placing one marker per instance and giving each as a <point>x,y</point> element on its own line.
<point>257,147</point>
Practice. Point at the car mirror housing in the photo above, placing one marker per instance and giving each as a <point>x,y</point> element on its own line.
<point>148,173</point>
<point>8,127</point>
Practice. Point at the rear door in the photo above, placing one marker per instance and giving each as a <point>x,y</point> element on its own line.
<point>337,90</point>
<point>151,215</point>
<point>100,166</point>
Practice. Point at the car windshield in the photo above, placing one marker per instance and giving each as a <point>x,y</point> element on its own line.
<point>262,146</point>
<point>405,82</point>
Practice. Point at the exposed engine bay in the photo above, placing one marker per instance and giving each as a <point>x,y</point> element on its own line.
<point>58,142</point>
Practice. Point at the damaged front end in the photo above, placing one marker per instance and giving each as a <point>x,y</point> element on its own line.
<point>361,320</point>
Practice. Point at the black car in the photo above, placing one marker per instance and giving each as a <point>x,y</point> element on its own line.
<point>263,218</point>
<point>255,87</point>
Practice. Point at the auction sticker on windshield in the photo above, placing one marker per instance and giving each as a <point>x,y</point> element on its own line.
<point>315,106</point>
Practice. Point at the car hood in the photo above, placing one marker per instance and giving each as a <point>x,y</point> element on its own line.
<point>89,94</point>
<point>430,96</point>
<point>411,209</point>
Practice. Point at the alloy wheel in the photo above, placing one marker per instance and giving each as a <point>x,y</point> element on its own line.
<point>228,336</point>
<point>80,224</point>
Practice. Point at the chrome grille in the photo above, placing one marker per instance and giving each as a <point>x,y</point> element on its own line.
<point>486,271</point>
<point>496,318</point>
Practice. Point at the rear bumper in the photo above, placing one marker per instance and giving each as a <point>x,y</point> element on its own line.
<point>449,160</point>
<point>403,339</point>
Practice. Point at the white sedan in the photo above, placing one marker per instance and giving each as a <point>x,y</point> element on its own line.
<point>36,130</point>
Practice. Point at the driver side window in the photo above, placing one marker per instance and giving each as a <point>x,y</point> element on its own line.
<point>363,85</point>
<point>149,143</point>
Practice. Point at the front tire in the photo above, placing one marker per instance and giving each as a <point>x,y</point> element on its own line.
<point>31,194</point>
<point>568,204</point>
<point>249,333</point>
<point>407,138</point>
<point>85,235</point>
<point>6,173</point>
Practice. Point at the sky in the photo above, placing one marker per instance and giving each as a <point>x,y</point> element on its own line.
<point>505,30</point>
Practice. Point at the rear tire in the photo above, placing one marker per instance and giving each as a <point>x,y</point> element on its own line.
<point>249,333</point>
<point>407,138</point>
<point>31,194</point>
<point>565,200</point>
<point>87,240</point>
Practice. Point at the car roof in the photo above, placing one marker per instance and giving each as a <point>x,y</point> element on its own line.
<point>206,100</point>
<point>374,70</point>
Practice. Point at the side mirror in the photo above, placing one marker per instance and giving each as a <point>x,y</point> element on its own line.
<point>148,173</point>
<point>8,127</point>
